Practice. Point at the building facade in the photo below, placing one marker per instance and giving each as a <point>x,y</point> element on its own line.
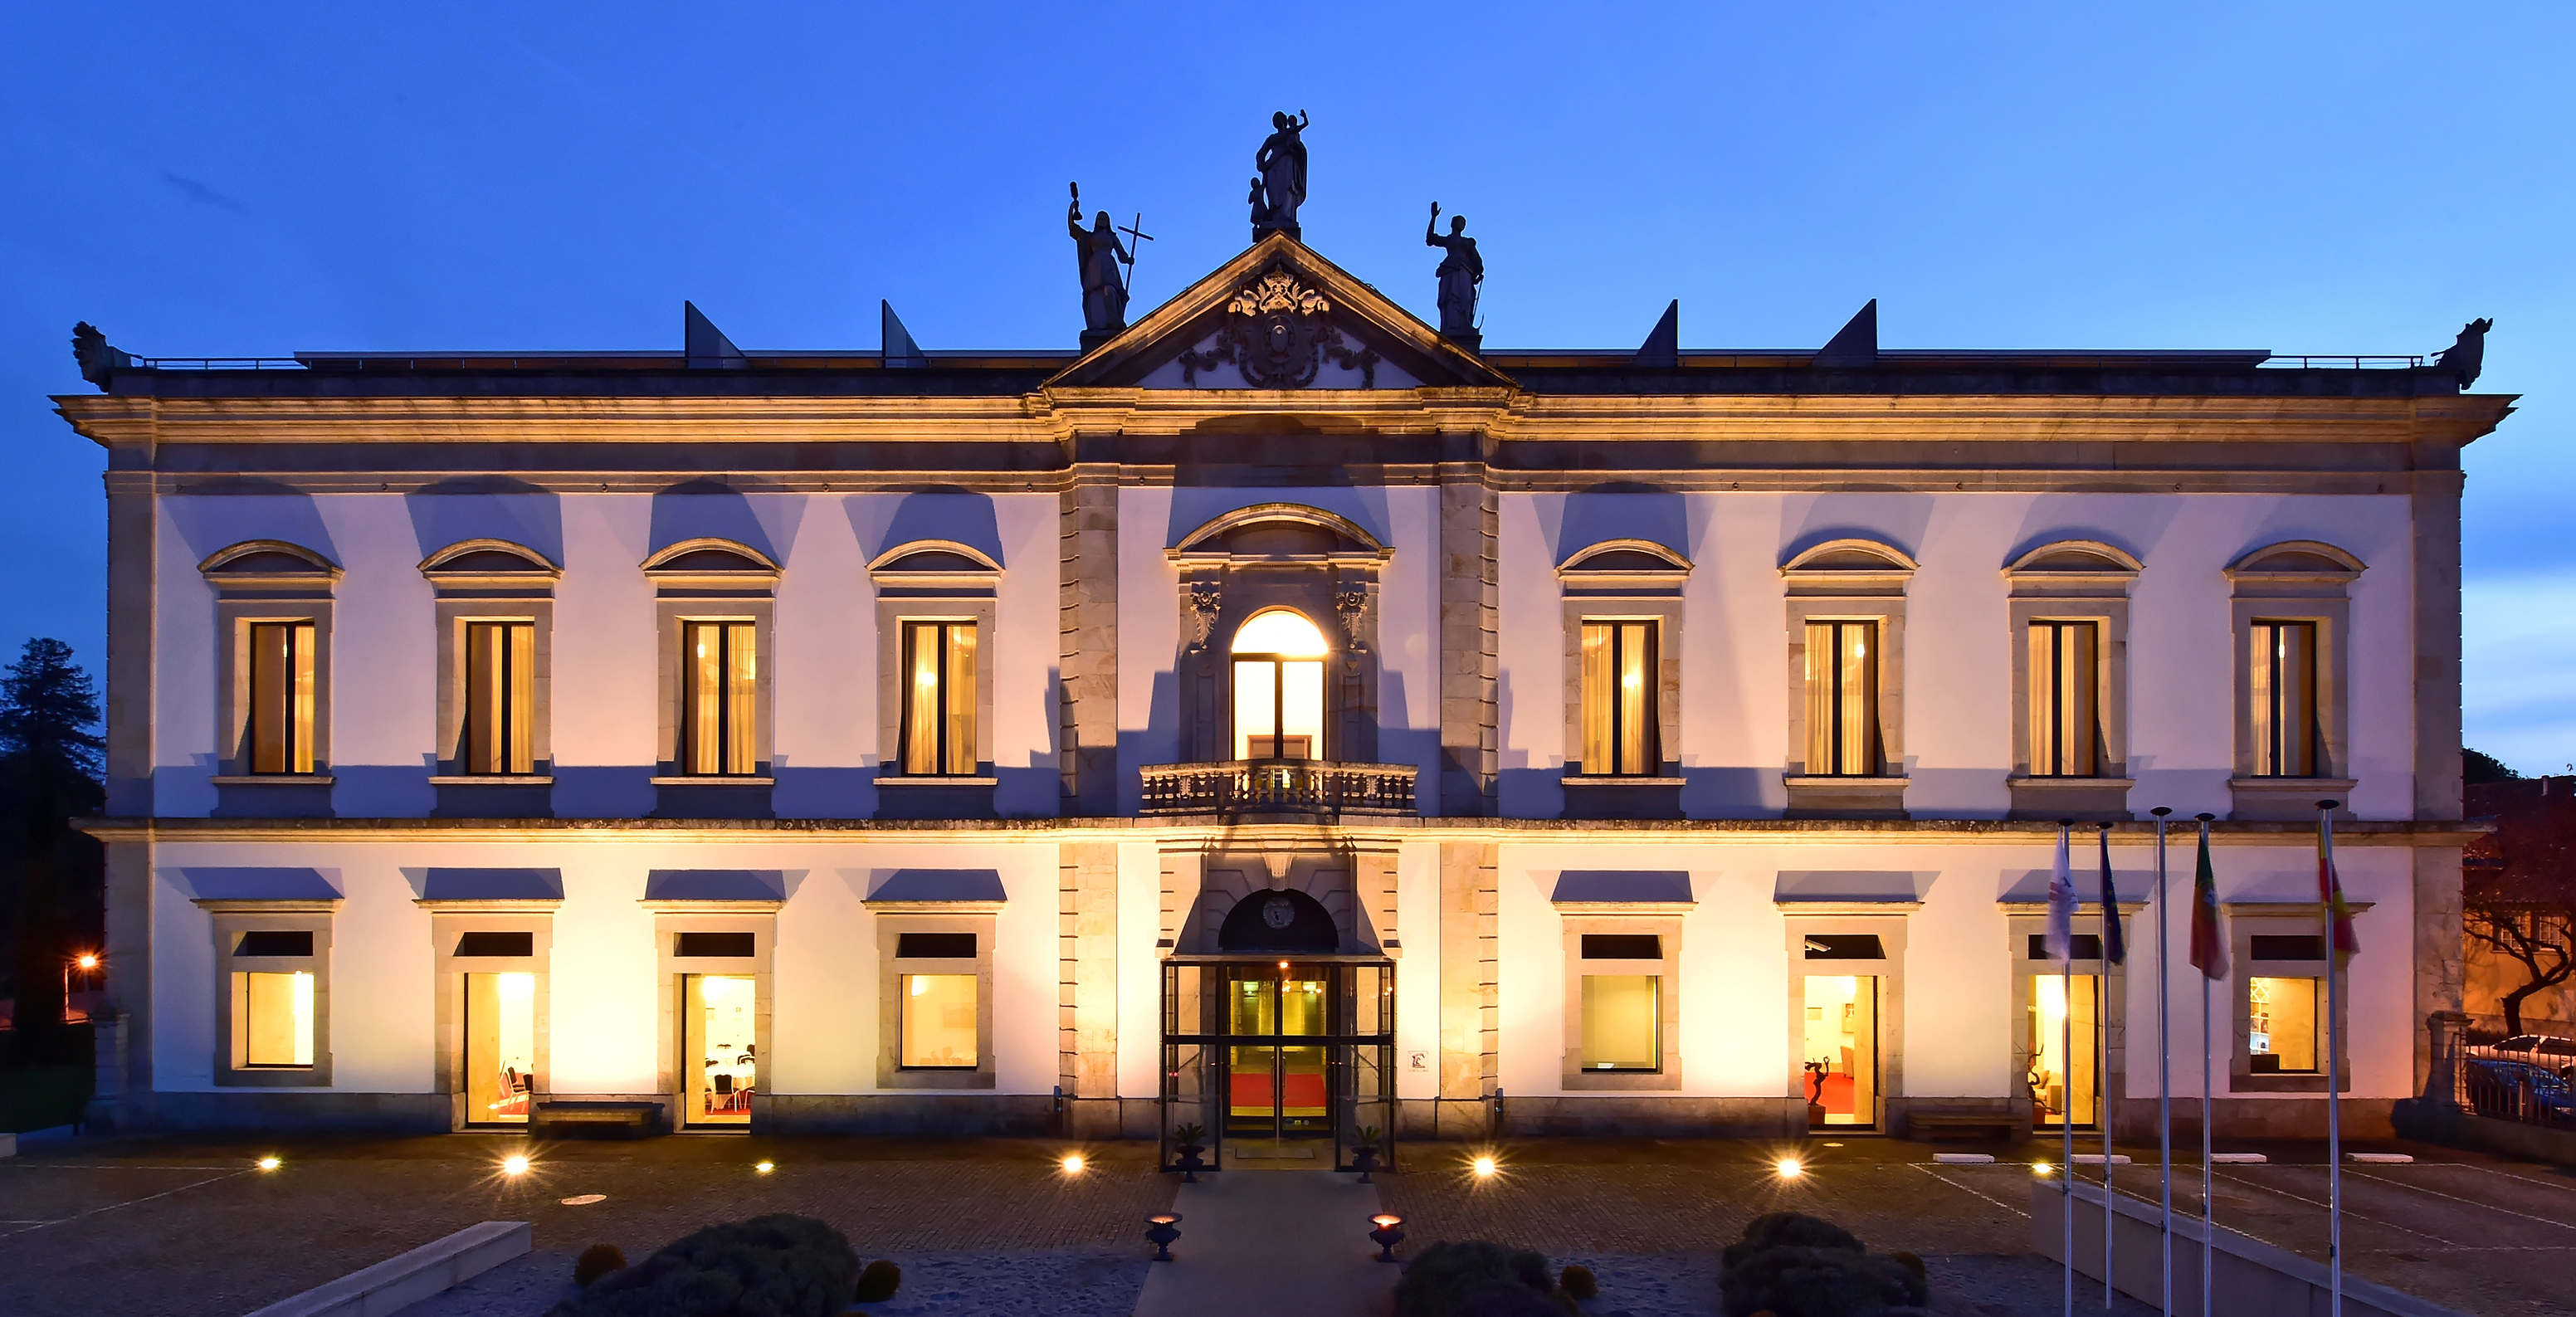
<point>1277,718</point>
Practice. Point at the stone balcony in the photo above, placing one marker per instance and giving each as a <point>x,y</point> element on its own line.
<point>1288,787</point>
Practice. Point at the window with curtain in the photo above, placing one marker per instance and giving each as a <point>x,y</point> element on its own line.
<point>500,698</point>
<point>939,702</point>
<point>272,1020</point>
<point>719,682</point>
<point>1622,1022</point>
<point>1619,680</point>
<point>2284,689</point>
<point>1279,688</point>
<point>2065,702</point>
<point>1842,699</point>
<point>281,697</point>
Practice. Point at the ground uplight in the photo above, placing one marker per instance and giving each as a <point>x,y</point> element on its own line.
<point>1073,1164</point>
<point>764,1167</point>
<point>1790,1168</point>
<point>514,1164</point>
<point>1485,1168</point>
<point>2041,1168</point>
<point>269,1163</point>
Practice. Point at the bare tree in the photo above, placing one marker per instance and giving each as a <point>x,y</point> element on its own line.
<point>2518,893</point>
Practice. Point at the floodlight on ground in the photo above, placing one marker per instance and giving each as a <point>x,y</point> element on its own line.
<point>1485,1168</point>
<point>2041,1168</point>
<point>1160,1230</point>
<point>514,1164</point>
<point>1388,1232</point>
<point>269,1163</point>
<point>764,1167</point>
<point>1790,1168</point>
<point>1073,1163</point>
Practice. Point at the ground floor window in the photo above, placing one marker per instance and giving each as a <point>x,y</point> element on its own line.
<point>2281,1033</point>
<point>1623,1022</point>
<point>500,1047</point>
<point>2065,1079</point>
<point>272,1020</point>
<point>939,1014</point>
<point>1841,1049</point>
<point>717,1048</point>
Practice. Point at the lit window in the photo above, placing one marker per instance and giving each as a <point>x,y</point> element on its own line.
<point>2065,711</point>
<point>2281,1034</point>
<point>500,1047</point>
<point>2284,690</point>
<point>939,706</point>
<point>939,1021</point>
<point>272,1020</point>
<point>1279,688</point>
<point>500,697</point>
<point>1619,680</point>
<point>2064,1084</point>
<point>719,680</point>
<point>1842,699</point>
<point>281,697</point>
<point>1623,1022</point>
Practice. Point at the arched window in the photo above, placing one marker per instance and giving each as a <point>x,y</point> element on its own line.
<point>1279,687</point>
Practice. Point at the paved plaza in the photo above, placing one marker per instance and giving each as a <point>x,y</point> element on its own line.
<point>188,1227</point>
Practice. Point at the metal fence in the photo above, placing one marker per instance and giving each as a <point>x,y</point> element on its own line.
<point>2527,1078</point>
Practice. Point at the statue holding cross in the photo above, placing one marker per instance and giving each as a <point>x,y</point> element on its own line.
<point>1104,285</point>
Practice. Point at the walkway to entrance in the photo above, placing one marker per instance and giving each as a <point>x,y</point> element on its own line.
<point>1256,1243</point>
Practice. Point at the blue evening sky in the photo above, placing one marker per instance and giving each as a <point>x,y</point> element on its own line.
<point>2347,178</point>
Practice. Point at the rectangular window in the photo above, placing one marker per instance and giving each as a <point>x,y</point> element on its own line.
<point>1619,680</point>
<point>2284,689</point>
<point>718,1047</point>
<point>2291,946</point>
<point>275,942</point>
<point>1623,1022</point>
<point>272,1020</point>
<point>934,946</point>
<point>1842,699</point>
<point>500,1046</point>
<point>1623,946</point>
<point>713,944</point>
<point>939,707</point>
<point>938,1021</point>
<point>496,944</point>
<point>2065,707</point>
<point>1844,946</point>
<point>500,698</point>
<point>281,697</point>
<point>719,671</point>
<point>1840,1045</point>
<point>2064,1080</point>
<point>2087,946</point>
<point>2281,1018</point>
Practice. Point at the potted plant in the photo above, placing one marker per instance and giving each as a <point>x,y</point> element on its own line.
<point>1186,1148</point>
<point>1364,1152</point>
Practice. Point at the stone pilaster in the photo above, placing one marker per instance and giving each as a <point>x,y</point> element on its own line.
<point>2438,793</point>
<point>1087,1004</point>
<point>133,605</point>
<point>2438,946</point>
<point>1468,661</point>
<point>1468,1005</point>
<point>1087,657</point>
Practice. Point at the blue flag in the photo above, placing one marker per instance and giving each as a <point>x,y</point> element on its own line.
<point>2115,947</point>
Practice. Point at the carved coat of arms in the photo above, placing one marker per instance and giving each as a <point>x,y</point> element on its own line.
<point>1279,333</point>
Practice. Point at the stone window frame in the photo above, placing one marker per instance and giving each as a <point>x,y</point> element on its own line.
<point>2294,581</point>
<point>672,918</point>
<point>700,593</point>
<point>1221,588</point>
<point>2023,920</point>
<point>482,593</point>
<point>248,592</point>
<point>2074,580</point>
<point>1626,591</point>
<point>934,593</point>
<point>1662,919</point>
<point>449,920</point>
<point>231,919</point>
<point>1850,579</point>
<point>1889,922</point>
<point>2245,921</point>
<point>893,919</point>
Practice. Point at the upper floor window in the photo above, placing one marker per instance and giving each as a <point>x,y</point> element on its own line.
<point>1620,677</point>
<point>1842,699</point>
<point>939,699</point>
<point>2283,687</point>
<point>281,697</point>
<point>720,671</point>
<point>2065,699</point>
<point>1279,688</point>
<point>500,698</point>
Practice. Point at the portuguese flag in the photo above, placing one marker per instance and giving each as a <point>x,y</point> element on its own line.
<point>2330,891</point>
<point>2208,941</point>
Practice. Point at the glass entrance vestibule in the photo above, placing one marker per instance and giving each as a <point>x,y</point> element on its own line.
<point>1275,1058</point>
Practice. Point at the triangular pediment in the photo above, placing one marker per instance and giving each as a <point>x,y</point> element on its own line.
<point>1279,317</point>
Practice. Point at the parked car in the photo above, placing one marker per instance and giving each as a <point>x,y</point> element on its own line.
<point>2521,1090</point>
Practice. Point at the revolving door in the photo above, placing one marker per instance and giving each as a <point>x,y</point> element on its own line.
<point>1284,1057</point>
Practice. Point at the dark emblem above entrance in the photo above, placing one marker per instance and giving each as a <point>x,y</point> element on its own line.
<point>1279,333</point>
<point>1278,921</point>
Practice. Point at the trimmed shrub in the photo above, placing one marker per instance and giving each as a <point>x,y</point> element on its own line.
<point>596,1261</point>
<point>1475,1278</point>
<point>879,1282</point>
<point>770,1266</point>
<point>1911,1263</point>
<point>1792,1265</point>
<point>1578,1283</point>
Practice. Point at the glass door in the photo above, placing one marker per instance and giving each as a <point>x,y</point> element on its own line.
<point>2065,1082</point>
<point>500,1047</point>
<point>1277,1085</point>
<point>1841,1050</point>
<point>717,1055</point>
<point>1265,1059</point>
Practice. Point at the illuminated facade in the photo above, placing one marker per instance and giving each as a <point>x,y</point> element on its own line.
<point>1276,719</point>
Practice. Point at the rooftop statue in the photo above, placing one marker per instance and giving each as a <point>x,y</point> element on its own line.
<point>2467,355</point>
<point>1461,270</point>
<point>1104,286</point>
<point>1282,162</point>
<point>96,358</point>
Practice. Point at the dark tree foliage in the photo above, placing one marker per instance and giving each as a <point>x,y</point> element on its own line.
<point>2477,766</point>
<point>770,1266</point>
<point>50,876</point>
<point>2518,883</point>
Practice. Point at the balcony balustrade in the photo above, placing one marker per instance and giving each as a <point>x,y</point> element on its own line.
<point>1279,786</point>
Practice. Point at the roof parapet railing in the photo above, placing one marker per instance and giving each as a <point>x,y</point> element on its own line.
<point>2281,361</point>
<point>218,363</point>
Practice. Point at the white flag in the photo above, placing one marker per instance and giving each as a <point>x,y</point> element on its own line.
<point>2060,940</point>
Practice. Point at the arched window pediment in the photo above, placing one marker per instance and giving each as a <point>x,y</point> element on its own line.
<point>268,560</point>
<point>1625,566</point>
<point>498,561</point>
<point>1849,566</point>
<point>714,561</point>
<point>2072,569</point>
<point>1273,531</point>
<point>935,565</point>
<point>2312,562</point>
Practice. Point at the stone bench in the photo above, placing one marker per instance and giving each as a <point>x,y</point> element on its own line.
<point>1929,1125</point>
<point>627,1119</point>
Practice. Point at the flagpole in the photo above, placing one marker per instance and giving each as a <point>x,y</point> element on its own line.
<point>2112,957</point>
<point>2208,1206</point>
<point>2330,895</point>
<point>2164,1055</point>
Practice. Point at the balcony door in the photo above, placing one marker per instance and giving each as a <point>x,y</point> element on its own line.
<point>1279,687</point>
